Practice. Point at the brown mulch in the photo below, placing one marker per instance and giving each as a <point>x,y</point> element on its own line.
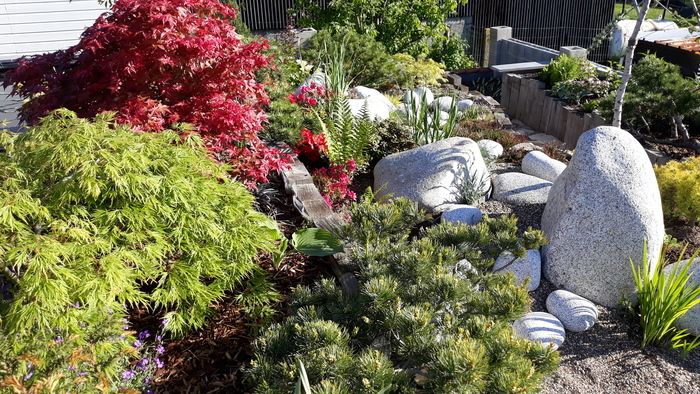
<point>214,358</point>
<point>685,233</point>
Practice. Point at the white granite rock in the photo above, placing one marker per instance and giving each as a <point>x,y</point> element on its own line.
<point>542,166</point>
<point>432,175</point>
<point>444,103</point>
<point>378,108</point>
<point>463,105</point>
<point>524,268</point>
<point>541,327</point>
<point>691,320</point>
<point>600,211</point>
<point>525,147</point>
<point>490,149</point>
<point>461,213</point>
<point>375,95</point>
<point>520,189</point>
<point>576,313</point>
<point>417,95</point>
<point>464,269</point>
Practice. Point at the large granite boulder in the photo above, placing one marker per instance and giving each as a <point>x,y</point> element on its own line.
<point>542,166</point>
<point>600,212</point>
<point>433,175</point>
<point>377,107</point>
<point>691,320</point>
<point>520,189</point>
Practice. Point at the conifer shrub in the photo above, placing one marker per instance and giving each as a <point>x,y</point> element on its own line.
<point>156,63</point>
<point>679,183</point>
<point>425,320</point>
<point>95,218</point>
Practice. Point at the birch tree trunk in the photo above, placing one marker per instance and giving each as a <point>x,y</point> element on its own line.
<point>695,9</point>
<point>629,56</point>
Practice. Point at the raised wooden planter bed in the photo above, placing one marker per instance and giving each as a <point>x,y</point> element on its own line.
<point>527,100</point>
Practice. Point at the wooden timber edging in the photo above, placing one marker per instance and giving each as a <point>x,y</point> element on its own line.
<point>307,199</point>
<point>526,99</point>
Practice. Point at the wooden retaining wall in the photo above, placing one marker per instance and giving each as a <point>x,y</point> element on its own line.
<point>526,99</point>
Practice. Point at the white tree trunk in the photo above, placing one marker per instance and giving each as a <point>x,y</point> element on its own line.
<point>695,9</point>
<point>629,56</point>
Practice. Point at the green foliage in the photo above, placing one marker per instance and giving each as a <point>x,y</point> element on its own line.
<point>366,61</point>
<point>401,25</point>
<point>316,242</point>
<point>94,218</point>
<point>662,298</point>
<point>421,323</point>
<point>425,120</point>
<point>656,94</point>
<point>452,52</point>
<point>409,72</point>
<point>393,136</point>
<point>566,68</point>
<point>679,183</point>
<point>578,90</point>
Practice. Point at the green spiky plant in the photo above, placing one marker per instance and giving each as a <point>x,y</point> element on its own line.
<point>95,218</point>
<point>422,321</point>
<point>426,123</point>
<point>662,298</point>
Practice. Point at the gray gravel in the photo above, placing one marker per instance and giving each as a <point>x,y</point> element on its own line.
<point>608,359</point>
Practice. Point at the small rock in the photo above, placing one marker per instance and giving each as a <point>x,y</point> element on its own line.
<point>490,149</point>
<point>444,103</point>
<point>463,105</point>
<point>691,320</point>
<point>434,174</point>
<point>417,95</point>
<point>542,166</point>
<point>524,268</point>
<point>525,147</point>
<point>545,138</point>
<point>540,327</point>
<point>520,189</point>
<point>576,313</point>
<point>464,269</point>
<point>460,213</point>
<point>444,117</point>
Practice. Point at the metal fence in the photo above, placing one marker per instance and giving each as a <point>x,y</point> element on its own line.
<point>550,23</point>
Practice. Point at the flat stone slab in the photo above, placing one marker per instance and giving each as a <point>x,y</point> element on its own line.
<point>545,138</point>
<point>540,327</point>
<point>520,189</point>
<point>576,313</point>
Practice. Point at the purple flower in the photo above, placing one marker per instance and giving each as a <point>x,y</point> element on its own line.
<point>137,344</point>
<point>159,338</point>
<point>159,363</point>
<point>28,375</point>
<point>143,363</point>
<point>144,334</point>
<point>160,349</point>
<point>58,339</point>
<point>81,374</point>
<point>128,374</point>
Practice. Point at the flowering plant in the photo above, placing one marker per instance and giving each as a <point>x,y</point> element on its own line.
<point>334,183</point>
<point>156,63</point>
<point>309,95</point>
<point>312,147</point>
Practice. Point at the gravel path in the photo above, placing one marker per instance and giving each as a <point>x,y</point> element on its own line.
<point>608,359</point>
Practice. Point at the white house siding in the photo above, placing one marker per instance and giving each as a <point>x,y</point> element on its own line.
<point>30,27</point>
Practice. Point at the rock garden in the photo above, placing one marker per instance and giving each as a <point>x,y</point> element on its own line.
<point>191,208</point>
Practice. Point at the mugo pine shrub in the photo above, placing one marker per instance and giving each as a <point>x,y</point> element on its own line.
<point>156,63</point>
<point>430,317</point>
<point>95,218</point>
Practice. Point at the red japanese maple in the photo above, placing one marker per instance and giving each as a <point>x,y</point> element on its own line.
<point>158,62</point>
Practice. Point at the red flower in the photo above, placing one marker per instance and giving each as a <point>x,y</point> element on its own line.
<point>312,101</point>
<point>334,183</point>
<point>158,62</point>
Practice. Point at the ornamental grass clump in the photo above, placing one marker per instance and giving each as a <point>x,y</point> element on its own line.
<point>429,317</point>
<point>94,219</point>
<point>663,296</point>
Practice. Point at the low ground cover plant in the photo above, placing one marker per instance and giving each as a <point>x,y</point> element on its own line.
<point>157,63</point>
<point>566,68</point>
<point>429,316</point>
<point>95,219</point>
<point>679,183</point>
